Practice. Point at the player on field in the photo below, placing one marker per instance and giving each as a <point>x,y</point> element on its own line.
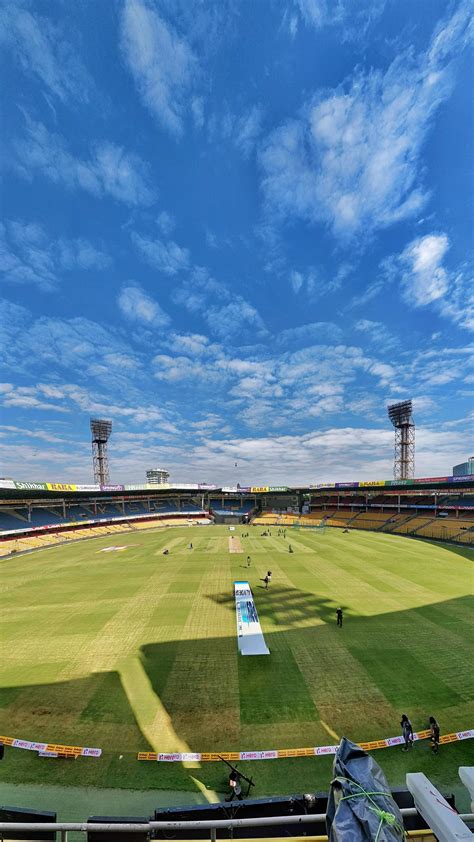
<point>434,731</point>
<point>407,731</point>
<point>339,617</point>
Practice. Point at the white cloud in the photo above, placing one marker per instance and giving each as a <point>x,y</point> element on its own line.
<point>371,291</point>
<point>137,306</point>
<point>81,254</point>
<point>28,255</point>
<point>180,368</point>
<point>192,343</point>
<point>227,314</point>
<point>162,64</point>
<point>247,129</point>
<point>459,305</point>
<point>24,397</point>
<point>166,222</point>
<point>41,49</point>
<point>377,332</point>
<point>352,159</point>
<point>426,280</point>
<point>242,130</point>
<point>387,373</point>
<point>296,279</point>
<point>197,108</point>
<point>353,18</point>
<point>314,12</point>
<point>311,283</point>
<point>109,171</point>
<point>311,332</point>
<point>168,257</point>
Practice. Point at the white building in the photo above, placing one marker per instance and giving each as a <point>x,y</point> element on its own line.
<point>157,476</point>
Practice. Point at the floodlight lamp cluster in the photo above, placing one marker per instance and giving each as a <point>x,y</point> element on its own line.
<point>101,429</point>
<point>401,413</point>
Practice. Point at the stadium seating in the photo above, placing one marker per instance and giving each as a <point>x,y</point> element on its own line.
<point>13,519</point>
<point>408,526</point>
<point>20,518</point>
<point>288,519</point>
<point>339,518</point>
<point>456,501</point>
<point>368,520</point>
<point>446,529</point>
<point>229,507</point>
<point>311,519</point>
<point>49,539</point>
<point>266,519</point>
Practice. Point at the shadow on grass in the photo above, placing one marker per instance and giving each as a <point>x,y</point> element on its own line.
<point>357,680</point>
<point>287,605</point>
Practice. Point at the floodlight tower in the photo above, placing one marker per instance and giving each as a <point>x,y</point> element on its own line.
<point>101,431</point>
<point>400,415</point>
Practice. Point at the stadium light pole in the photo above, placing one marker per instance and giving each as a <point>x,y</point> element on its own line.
<point>101,430</point>
<point>400,415</point>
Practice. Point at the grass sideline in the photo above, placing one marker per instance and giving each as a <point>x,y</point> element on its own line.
<point>135,651</point>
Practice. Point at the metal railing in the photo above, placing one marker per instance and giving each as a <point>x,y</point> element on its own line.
<point>63,828</point>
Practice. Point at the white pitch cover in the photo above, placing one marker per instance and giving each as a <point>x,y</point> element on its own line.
<point>250,637</point>
<point>444,821</point>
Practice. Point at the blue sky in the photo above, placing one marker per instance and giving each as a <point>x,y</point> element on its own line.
<point>238,230</point>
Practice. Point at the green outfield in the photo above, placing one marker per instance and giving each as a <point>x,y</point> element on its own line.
<point>134,650</point>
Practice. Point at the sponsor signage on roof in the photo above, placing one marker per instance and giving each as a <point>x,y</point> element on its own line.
<point>236,489</point>
<point>433,479</point>
<point>31,486</point>
<point>262,489</point>
<point>386,483</point>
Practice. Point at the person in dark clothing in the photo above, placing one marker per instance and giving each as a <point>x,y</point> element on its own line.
<point>407,732</point>
<point>235,788</point>
<point>339,617</point>
<point>248,561</point>
<point>434,735</point>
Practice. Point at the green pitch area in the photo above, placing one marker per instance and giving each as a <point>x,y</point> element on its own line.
<point>134,650</point>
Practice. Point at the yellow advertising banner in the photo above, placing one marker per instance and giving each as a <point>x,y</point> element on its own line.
<point>373,482</point>
<point>261,490</point>
<point>274,754</point>
<point>59,486</point>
